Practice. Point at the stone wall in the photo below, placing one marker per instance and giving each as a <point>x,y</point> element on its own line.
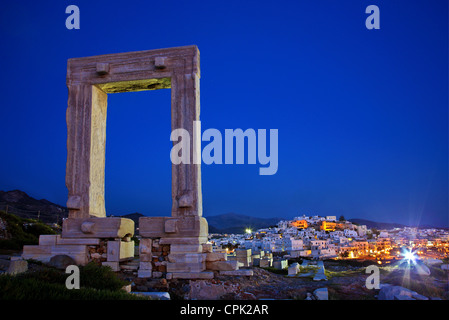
<point>153,258</point>
<point>98,253</point>
<point>109,252</point>
<point>160,260</point>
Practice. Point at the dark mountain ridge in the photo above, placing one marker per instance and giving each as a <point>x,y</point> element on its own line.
<point>237,223</point>
<point>21,204</point>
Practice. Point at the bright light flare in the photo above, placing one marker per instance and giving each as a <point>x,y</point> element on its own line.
<point>410,256</point>
<point>248,231</point>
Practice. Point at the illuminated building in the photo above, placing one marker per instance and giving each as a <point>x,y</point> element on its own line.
<point>301,224</point>
<point>328,226</point>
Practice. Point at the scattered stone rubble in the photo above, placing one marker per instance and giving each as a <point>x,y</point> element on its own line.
<point>262,259</point>
<point>390,292</point>
<point>319,275</point>
<point>321,294</point>
<point>12,265</point>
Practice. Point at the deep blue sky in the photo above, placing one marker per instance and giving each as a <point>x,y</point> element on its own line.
<point>362,114</point>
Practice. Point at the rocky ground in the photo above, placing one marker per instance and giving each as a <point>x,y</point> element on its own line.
<point>345,281</point>
<point>262,285</point>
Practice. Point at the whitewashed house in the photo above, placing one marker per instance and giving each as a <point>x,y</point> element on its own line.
<point>293,244</point>
<point>350,233</point>
<point>362,230</point>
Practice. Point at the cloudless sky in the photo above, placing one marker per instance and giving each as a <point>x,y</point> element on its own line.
<point>362,114</point>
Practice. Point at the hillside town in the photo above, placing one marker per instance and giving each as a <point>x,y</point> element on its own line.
<point>321,238</point>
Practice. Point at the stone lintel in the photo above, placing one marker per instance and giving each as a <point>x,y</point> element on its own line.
<point>111,227</point>
<point>126,66</point>
<point>173,227</point>
<point>44,253</point>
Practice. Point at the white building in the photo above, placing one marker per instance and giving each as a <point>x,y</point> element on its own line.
<point>293,244</point>
<point>336,234</point>
<point>291,231</point>
<point>283,224</point>
<point>318,244</point>
<point>362,230</point>
<point>303,217</point>
<point>350,233</point>
<point>383,234</point>
<point>343,240</point>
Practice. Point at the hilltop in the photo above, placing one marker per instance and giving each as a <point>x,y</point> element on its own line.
<point>377,225</point>
<point>237,223</point>
<point>22,205</point>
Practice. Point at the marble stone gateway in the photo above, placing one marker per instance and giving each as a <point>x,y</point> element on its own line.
<point>89,81</point>
<point>177,242</point>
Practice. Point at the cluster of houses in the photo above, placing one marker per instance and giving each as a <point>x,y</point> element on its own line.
<point>315,237</point>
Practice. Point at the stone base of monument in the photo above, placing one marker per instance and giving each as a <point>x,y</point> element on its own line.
<point>97,228</point>
<point>104,240</point>
<point>177,248</point>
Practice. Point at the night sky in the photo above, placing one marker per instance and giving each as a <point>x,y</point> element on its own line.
<point>362,114</point>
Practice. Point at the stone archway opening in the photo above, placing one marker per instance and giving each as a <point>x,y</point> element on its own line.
<point>137,168</point>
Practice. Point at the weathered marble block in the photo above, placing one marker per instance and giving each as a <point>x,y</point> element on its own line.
<point>97,228</point>
<point>120,250</point>
<point>173,227</point>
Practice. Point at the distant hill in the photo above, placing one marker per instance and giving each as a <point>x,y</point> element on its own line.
<point>237,223</point>
<point>15,232</point>
<point>377,225</point>
<point>22,205</point>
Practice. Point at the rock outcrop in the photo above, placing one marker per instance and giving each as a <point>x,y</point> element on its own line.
<point>390,292</point>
